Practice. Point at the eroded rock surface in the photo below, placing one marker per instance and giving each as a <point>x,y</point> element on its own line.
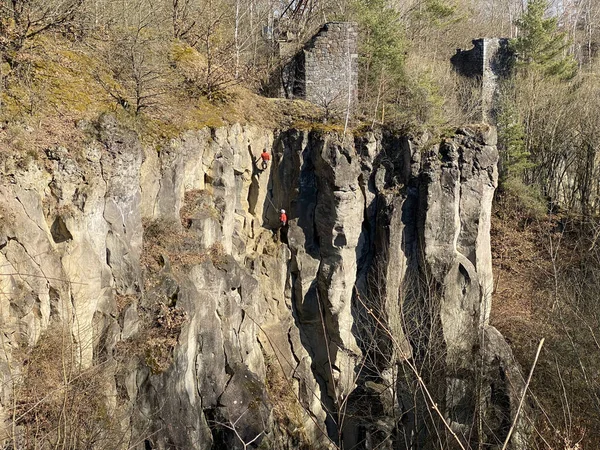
<point>217,329</point>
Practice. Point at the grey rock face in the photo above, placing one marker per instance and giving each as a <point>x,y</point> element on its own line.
<point>221,330</point>
<point>458,183</point>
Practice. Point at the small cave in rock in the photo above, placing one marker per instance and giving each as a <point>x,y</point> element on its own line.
<point>253,192</point>
<point>60,232</point>
<point>500,398</point>
<point>465,282</point>
<point>283,235</point>
<point>174,297</point>
<point>221,435</point>
<point>340,239</point>
<point>79,199</point>
<point>54,302</point>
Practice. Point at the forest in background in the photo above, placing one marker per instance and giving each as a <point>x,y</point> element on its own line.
<point>156,59</point>
<point>163,66</point>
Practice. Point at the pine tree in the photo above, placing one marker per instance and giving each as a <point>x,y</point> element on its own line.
<point>515,158</point>
<point>382,53</point>
<point>541,46</point>
<point>383,41</point>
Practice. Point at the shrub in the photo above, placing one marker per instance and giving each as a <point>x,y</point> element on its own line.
<point>59,403</point>
<point>526,199</point>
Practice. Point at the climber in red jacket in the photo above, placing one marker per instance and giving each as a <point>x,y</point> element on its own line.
<point>265,159</point>
<point>282,218</point>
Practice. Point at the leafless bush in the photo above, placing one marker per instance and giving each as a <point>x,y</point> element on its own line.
<point>405,355</point>
<point>196,202</point>
<point>22,20</point>
<point>60,404</point>
<point>548,272</point>
<point>164,238</point>
<point>160,340</point>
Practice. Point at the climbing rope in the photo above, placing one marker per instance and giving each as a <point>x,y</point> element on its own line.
<point>272,203</point>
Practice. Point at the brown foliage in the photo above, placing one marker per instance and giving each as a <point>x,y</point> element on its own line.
<point>60,403</point>
<point>161,339</point>
<point>157,339</point>
<point>165,239</point>
<point>196,201</point>
<point>547,272</point>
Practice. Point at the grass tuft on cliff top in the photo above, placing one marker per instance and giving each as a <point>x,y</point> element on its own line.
<point>59,82</point>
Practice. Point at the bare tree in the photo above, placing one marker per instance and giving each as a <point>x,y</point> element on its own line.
<point>185,19</point>
<point>137,60</point>
<point>21,20</point>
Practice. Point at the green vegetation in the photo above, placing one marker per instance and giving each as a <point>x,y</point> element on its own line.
<point>540,45</point>
<point>172,66</point>
<point>545,151</point>
<point>395,87</point>
<point>382,50</point>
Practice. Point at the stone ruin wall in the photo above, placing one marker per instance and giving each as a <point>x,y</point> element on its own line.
<point>324,71</point>
<point>489,60</point>
<point>331,66</point>
<point>469,63</point>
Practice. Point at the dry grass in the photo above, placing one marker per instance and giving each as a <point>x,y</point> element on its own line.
<point>59,403</point>
<point>180,245</point>
<point>546,286</point>
<point>173,243</point>
<point>518,260</point>
<point>195,202</point>
<point>318,126</point>
<point>159,335</point>
<point>124,301</point>
<point>523,282</point>
<point>161,338</point>
<point>177,241</point>
<point>166,239</point>
<point>286,410</point>
<point>58,83</point>
<point>217,255</point>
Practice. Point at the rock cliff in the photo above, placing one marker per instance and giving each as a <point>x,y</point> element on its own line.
<point>363,324</point>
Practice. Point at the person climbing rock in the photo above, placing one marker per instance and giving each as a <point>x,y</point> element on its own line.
<point>282,218</point>
<point>281,234</point>
<point>265,157</point>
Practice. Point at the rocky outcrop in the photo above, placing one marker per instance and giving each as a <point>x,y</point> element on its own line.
<point>215,329</point>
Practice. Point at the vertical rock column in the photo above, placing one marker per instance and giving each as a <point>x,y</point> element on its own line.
<point>457,186</point>
<point>326,214</point>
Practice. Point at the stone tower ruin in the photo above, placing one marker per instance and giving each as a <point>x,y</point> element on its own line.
<point>324,71</point>
<point>488,61</point>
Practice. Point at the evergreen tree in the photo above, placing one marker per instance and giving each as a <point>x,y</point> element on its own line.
<point>382,53</point>
<point>540,45</point>
<point>515,158</point>
<point>389,33</point>
<point>382,45</point>
<point>435,13</point>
